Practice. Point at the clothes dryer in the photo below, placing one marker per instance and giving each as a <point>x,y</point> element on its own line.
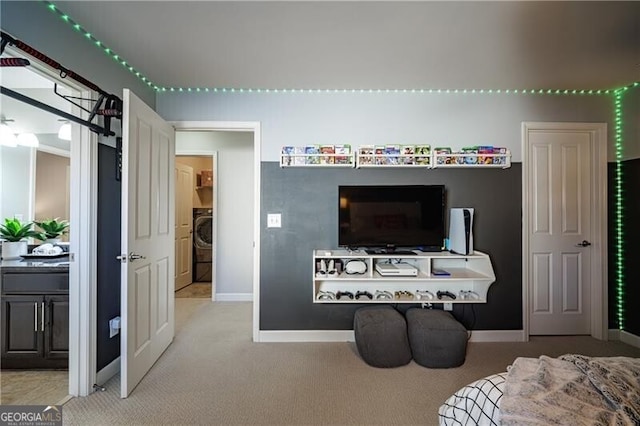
<point>202,244</point>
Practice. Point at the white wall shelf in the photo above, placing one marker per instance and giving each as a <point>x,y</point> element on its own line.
<point>469,277</point>
<point>317,160</point>
<point>467,160</point>
<point>393,160</point>
<point>425,161</point>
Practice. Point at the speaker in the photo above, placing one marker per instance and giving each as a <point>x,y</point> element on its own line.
<point>461,231</point>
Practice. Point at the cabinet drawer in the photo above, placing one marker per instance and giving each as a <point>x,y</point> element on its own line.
<point>35,283</point>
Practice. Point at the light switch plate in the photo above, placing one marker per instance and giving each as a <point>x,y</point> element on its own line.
<point>273,220</point>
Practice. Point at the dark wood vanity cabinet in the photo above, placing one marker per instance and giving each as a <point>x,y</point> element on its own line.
<point>35,320</point>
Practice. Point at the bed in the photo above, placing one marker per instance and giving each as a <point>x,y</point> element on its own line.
<point>569,390</point>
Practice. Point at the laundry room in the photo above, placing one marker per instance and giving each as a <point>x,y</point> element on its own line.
<point>194,226</point>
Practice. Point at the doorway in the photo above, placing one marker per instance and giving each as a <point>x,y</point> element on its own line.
<point>564,229</point>
<point>196,217</point>
<point>43,178</point>
<point>238,199</point>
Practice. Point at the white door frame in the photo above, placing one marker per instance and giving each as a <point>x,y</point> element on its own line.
<point>82,231</point>
<point>240,126</point>
<point>214,210</point>
<point>599,287</point>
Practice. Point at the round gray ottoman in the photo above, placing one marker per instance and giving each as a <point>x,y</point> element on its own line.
<point>437,339</point>
<point>381,336</point>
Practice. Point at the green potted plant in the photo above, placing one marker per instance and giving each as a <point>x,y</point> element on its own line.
<point>52,229</point>
<point>14,233</point>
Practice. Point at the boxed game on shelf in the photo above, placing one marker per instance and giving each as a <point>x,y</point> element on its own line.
<point>408,154</point>
<point>288,155</point>
<point>423,154</point>
<point>312,152</point>
<point>300,158</point>
<point>330,150</point>
<point>365,154</point>
<point>392,155</point>
<point>379,152</point>
<point>441,157</point>
<point>343,154</point>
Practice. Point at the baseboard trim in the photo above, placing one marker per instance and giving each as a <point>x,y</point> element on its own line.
<point>614,334</point>
<point>234,297</point>
<point>629,339</point>
<point>306,336</point>
<point>497,336</point>
<point>284,336</point>
<point>108,372</point>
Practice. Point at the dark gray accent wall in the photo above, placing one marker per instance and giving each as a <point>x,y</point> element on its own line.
<point>631,230</point>
<point>308,201</point>
<point>611,248</point>
<point>108,283</point>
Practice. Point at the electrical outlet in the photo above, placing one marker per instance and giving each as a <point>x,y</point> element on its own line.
<point>448,306</point>
<point>114,326</point>
<point>274,220</point>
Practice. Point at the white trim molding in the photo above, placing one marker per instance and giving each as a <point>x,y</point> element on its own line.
<point>598,230</point>
<point>306,336</point>
<point>108,372</point>
<point>234,297</point>
<point>83,269</point>
<point>290,336</point>
<point>624,337</point>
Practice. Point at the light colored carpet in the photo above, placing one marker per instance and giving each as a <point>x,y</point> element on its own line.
<point>213,374</point>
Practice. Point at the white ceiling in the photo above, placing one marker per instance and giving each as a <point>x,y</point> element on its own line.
<point>358,44</point>
<point>25,117</point>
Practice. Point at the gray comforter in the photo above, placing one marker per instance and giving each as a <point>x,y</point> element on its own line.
<point>572,390</point>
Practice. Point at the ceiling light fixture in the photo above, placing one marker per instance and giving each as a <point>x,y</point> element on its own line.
<point>28,139</point>
<point>7,137</point>
<point>65,132</point>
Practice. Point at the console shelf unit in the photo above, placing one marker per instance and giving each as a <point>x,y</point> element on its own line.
<point>472,273</point>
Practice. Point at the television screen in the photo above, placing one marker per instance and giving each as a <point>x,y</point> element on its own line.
<point>392,217</point>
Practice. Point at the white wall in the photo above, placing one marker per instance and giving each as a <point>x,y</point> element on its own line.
<point>455,120</point>
<point>631,120</point>
<point>234,206</point>
<point>16,182</point>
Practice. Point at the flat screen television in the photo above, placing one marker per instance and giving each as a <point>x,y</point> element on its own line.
<point>392,218</point>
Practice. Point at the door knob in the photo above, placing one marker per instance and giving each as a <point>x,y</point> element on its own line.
<point>584,243</point>
<point>133,256</point>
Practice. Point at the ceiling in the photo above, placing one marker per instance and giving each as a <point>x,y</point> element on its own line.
<point>352,45</point>
<point>27,118</point>
<point>371,45</point>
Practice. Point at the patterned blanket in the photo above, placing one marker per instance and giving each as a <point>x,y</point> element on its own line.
<point>572,390</point>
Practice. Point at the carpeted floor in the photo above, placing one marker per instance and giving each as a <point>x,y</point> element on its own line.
<point>214,374</point>
<point>195,290</point>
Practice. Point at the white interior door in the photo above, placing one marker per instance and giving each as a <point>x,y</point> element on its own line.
<point>559,179</point>
<point>148,208</point>
<point>184,225</point>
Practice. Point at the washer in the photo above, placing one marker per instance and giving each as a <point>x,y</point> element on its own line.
<point>202,244</point>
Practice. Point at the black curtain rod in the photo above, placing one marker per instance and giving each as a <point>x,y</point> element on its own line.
<point>20,97</point>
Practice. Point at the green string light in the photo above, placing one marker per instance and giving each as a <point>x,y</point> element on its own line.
<point>619,223</point>
<point>618,124</point>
